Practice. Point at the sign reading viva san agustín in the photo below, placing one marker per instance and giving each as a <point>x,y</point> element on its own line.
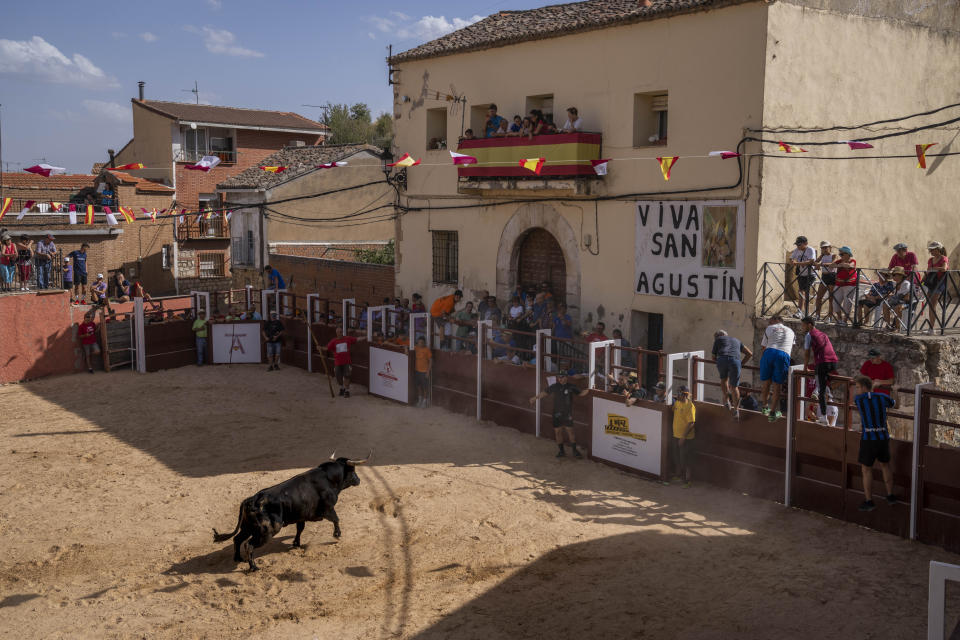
<point>691,249</point>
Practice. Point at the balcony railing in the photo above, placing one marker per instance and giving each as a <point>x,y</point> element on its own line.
<point>212,229</point>
<point>566,155</point>
<point>226,157</point>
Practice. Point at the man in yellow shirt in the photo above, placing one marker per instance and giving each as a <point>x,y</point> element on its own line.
<point>440,312</point>
<point>684,418</point>
<point>200,331</point>
<point>421,374</point>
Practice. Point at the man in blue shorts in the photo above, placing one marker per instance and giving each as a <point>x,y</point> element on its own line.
<point>874,439</point>
<point>727,351</point>
<point>777,344</point>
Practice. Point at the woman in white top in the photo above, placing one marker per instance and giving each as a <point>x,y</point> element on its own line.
<point>828,278</point>
<point>900,297</point>
<point>574,122</point>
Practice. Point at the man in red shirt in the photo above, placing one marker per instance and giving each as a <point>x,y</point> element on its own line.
<point>340,348</point>
<point>87,332</point>
<point>598,333</point>
<point>880,371</point>
<point>903,258</point>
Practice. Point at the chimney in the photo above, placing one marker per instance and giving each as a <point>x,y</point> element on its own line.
<point>113,161</point>
<point>140,86</point>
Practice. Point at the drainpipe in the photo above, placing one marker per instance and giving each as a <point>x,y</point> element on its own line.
<point>263,258</point>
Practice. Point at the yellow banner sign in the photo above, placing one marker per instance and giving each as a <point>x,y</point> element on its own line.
<point>620,426</point>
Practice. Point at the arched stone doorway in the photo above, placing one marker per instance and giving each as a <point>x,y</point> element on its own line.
<point>536,222</point>
<point>540,260</point>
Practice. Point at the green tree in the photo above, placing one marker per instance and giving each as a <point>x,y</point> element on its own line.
<point>353,124</point>
<point>383,255</point>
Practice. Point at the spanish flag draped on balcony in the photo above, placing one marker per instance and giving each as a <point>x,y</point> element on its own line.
<point>533,164</point>
<point>666,164</point>
<point>922,155</point>
<point>565,154</point>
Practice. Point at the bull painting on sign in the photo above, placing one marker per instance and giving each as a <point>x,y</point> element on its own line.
<point>690,249</point>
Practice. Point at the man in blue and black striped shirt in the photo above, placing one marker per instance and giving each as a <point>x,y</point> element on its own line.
<point>874,439</point>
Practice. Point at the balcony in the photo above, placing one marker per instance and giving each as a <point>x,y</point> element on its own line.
<point>567,169</point>
<point>213,229</point>
<point>226,157</point>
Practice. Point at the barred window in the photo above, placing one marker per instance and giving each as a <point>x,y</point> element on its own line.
<point>210,265</point>
<point>445,252</point>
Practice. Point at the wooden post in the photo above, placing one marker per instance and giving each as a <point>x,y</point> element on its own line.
<point>104,341</point>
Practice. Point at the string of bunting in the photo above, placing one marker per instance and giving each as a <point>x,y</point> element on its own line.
<point>89,212</point>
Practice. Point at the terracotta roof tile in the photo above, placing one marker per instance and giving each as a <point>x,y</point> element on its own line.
<point>71,181</point>
<point>233,115</point>
<point>510,27</point>
<point>300,160</point>
<point>142,184</point>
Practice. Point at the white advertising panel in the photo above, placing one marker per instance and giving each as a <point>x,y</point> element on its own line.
<point>236,343</point>
<point>630,436</point>
<point>691,249</point>
<point>388,374</point>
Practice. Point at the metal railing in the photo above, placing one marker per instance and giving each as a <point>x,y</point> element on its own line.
<point>226,157</point>
<point>31,275</point>
<point>203,229</point>
<point>867,298</point>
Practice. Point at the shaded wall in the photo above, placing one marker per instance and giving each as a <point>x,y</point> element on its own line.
<point>38,335</point>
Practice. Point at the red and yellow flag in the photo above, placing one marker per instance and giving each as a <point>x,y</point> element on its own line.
<point>666,164</point>
<point>406,160</point>
<point>922,155</point>
<point>127,167</point>
<point>5,206</point>
<point>533,164</point>
<point>127,214</point>
<point>88,219</point>
<point>786,148</point>
<point>274,169</point>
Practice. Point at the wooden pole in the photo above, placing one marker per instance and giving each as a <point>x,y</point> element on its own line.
<point>326,367</point>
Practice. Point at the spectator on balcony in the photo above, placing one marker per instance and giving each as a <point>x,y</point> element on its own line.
<point>660,393</point>
<point>504,129</point>
<point>817,344</point>
<point>492,124</point>
<point>515,311</point>
<point>468,135</point>
<point>597,334</point>
<point>904,258</point>
<point>492,311</point>
<point>107,196</point>
<point>79,257</point>
<point>526,129</point>
<point>418,306</point>
<point>66,273</point>
<point>730,355</point>
<point>199,328</point>
<point>538,126</point>
<point>24,260</point>
<point>879,292</point>
<point>46,250</point>
<point>935,280</point>
<point>802,258</point>
<point>628,357</point>
<point>747,400</point>
<point>880,372</point>
<point>574,122</point>
<point>8,261</point>
<point>517,127</point>
<point>847,279</point>
<point>121,287</point>
<point>901,296</point>
<point>273,278</point>
<point>777,344</point>
<point>99,290</point>
<point>874,439</point>
<point>828,278</point>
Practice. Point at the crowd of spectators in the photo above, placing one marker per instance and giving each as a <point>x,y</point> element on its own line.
<point>535,124</point>
<point>835,279</point>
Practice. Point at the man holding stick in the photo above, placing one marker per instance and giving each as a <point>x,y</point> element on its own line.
<point>340,348</point>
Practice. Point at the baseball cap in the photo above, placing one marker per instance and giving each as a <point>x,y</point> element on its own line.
<point>99,275</point>
<point>660,385</point>
<point>50,235</point>
<point>873,352</point>
<point>273,314</point>
<point>66,259</point>
<point>825,243</point>
<point>800,240</point>
<point>934,245</point>
<point>684,388</point>
<point>846,250</point>
<point>899,245</point>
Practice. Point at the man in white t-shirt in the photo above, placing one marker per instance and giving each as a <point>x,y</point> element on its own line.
<point>574,122</point>
<point>777,344</point>
<point>801,260</point>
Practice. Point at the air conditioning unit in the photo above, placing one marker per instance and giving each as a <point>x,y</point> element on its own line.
<point>297,143</point>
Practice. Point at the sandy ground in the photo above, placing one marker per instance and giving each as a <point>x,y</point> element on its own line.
<point>110,484</point>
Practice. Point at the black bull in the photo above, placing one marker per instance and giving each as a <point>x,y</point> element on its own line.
<point>310,496</point>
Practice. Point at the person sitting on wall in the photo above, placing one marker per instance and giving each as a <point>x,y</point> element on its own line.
<point>879,292</point>
<point>99,290</point>
<point>903,257</point>
<point>273,278</point>
<point>900,297</point>
<point>492,124</point>
<point>121,288</point>
<point>574,122</point>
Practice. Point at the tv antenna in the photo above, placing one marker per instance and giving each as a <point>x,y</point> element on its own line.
<point>195,91</point>
<point>323,107</point>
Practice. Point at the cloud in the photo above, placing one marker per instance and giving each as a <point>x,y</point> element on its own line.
<point>214,4</point>
<point>426,28</point>
<point>221,41</point>
<point>148,37</point>
<point>38,58</point>
<point>371,35</point>
<point>108,110</point>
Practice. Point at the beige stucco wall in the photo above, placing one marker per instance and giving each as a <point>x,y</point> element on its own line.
<point>826,68</point>
<point>711,64</point>
<point>152,145</point>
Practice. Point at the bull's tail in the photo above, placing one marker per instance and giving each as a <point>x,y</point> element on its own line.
<point>220,537</point>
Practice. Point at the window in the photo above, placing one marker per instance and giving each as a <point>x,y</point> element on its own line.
<point>194,144</point>
<point>544,103</point>
<point>210,265</point>
<point>437,128</point>
<point>445,253</point>
<point>650,119</point>
<point>222,147</point>
<point>166,257</point>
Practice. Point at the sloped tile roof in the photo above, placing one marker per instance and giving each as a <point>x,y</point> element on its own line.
<point>233,115</point>
<point>300,160</point>
<point>72,181</point>
<point>143,185</point>
<point>510,27</point>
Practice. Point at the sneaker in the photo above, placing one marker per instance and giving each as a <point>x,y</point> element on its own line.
<point>341,391</point>
<point>736,414</point>
<point>727,405</point>
<point>346,394</point>
<point>867,505</point>
<point>931,331</point>
<point>776,415</point>
<point>577,454</point>
<point>91,370</point>
<point>276,367</point>
<point>765,411</point>
<point>892,499</point>
<point>83,301</point>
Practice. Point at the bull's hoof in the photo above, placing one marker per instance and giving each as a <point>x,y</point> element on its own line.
<point>237,558</point>
<point>336,533</point>
<point>253,568</point>
<point>296,545</point>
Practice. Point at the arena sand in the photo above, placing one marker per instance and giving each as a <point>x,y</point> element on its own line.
<point>111,485</point>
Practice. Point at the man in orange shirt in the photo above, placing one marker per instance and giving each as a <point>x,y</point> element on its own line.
<point>421,375</point>
<point>440,312</point>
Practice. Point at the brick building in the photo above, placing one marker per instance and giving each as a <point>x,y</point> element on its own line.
<point>24,187</point>
<point>368,284</point>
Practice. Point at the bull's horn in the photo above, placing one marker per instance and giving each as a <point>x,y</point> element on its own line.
<point>333,456</point>
<point>364,461</point>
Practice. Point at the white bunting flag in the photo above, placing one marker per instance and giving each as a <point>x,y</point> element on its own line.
<point>73,214</point>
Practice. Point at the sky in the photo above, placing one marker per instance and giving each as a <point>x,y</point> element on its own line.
<point>69,69</point>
